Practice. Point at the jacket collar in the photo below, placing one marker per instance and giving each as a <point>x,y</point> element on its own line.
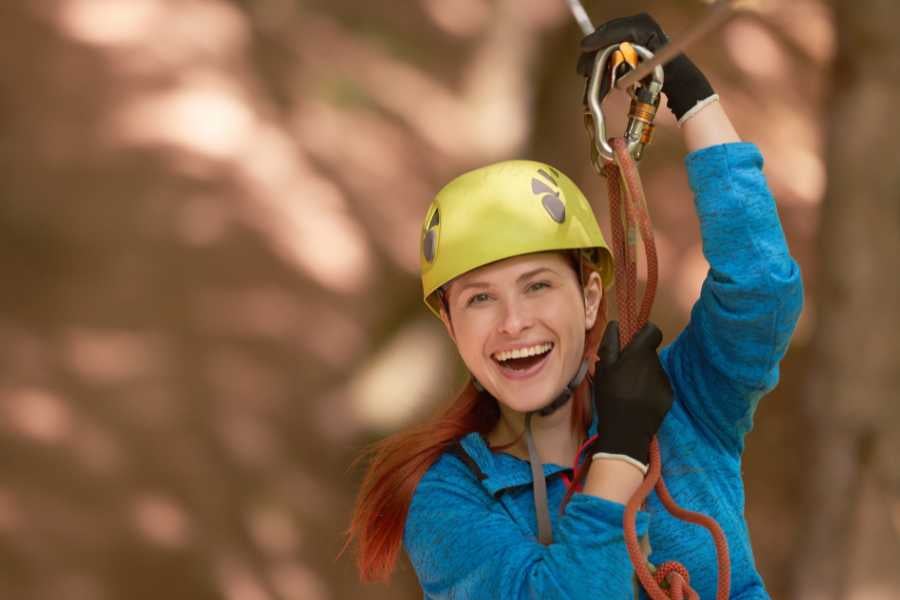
<point>502,471</point>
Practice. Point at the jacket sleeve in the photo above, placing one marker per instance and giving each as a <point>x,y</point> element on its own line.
<point>727,357</point>
<point>463,544</point>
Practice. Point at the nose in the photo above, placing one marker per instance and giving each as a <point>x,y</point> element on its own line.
<point>515,318</point>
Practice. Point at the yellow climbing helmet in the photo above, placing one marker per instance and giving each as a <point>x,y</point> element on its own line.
<point>502,210</point>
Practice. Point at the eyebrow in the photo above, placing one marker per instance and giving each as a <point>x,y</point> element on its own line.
<point>519,279</point>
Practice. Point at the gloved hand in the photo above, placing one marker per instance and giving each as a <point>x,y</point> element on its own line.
<point>684,85</point>
<point>631,393</point>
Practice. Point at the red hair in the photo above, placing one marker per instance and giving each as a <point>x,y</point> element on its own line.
<point>398,462</point>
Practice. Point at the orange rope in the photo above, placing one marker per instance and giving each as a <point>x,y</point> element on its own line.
<point>673,575</point>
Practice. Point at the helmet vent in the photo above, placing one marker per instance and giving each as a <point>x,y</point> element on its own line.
<point>429,245</point>
<point>547,175</point>
<point>429,242</point>
<point>539,187</point>
<point>551,202</point>
<point>554,207</point>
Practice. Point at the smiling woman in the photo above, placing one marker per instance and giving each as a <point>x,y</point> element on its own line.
<point>520,324</point>
<point>514,265</point>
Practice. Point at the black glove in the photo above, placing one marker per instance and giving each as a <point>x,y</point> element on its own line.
<point>684,85</point>
<point>631,393</point>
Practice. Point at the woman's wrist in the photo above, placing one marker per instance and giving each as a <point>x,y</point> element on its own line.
<point>613,480</point>
<point>709,126</point>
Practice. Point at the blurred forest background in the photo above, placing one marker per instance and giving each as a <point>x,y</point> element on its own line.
<point>209,216</point>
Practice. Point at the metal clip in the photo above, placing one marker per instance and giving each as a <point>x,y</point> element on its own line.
<point>644,102</point>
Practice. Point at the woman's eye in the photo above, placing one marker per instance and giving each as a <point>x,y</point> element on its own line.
<point>477,299</point>
<point>538,285</point>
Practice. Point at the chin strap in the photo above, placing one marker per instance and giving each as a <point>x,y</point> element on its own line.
<point>539,484</point>
<point>567,392</point>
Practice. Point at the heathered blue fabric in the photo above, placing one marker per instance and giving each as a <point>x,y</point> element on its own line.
<point>478,539</point>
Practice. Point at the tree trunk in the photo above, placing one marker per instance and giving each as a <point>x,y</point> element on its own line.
<point>850,542</point>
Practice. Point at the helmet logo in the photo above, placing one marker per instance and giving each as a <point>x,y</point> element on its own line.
<point>429,242</point>
<point>550,200</point>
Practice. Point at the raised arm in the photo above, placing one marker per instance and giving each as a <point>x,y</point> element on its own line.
<point>727,357</point>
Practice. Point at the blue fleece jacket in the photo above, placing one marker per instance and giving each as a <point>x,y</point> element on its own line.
<point>475,537</point>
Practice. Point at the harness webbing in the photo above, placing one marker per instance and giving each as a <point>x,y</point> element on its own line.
<point>459,452</point>
<point>539,485</point>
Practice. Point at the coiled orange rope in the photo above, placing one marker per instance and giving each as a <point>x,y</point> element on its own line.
<point>671,579</point>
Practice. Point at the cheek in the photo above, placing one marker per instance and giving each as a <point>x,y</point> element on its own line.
<point>574,328</point>
<point>578,345</point>
<point>471,358</point>
<point>470,345</point>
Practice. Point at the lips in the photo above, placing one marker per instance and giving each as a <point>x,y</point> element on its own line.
<point>523,367</point>
<point>522,351</point>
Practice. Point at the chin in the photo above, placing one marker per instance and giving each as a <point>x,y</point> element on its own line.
<point>529,393</point>
<point>527,402</point>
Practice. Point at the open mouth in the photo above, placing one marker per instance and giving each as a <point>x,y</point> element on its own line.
<point>523,361</point>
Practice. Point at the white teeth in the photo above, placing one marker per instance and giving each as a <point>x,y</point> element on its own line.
<point>523,352</point>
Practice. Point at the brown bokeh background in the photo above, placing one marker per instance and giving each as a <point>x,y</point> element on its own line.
<point>208,254</point>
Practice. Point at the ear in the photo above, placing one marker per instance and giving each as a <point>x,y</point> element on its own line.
<point>593,294</point>
<point>445,319</point>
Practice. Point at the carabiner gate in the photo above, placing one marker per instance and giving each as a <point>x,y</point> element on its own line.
<point>644,102</point>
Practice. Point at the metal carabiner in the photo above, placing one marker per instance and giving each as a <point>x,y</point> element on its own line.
<point>644,102</point>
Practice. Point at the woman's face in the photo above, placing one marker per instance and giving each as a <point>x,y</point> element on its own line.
<point>519,325</point>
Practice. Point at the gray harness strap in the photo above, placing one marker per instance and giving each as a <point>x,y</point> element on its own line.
<point>539,484</point>
<point>541,508</point>
<point>459,452</point>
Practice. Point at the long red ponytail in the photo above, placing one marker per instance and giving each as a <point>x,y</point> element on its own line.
<point>398,463</point>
